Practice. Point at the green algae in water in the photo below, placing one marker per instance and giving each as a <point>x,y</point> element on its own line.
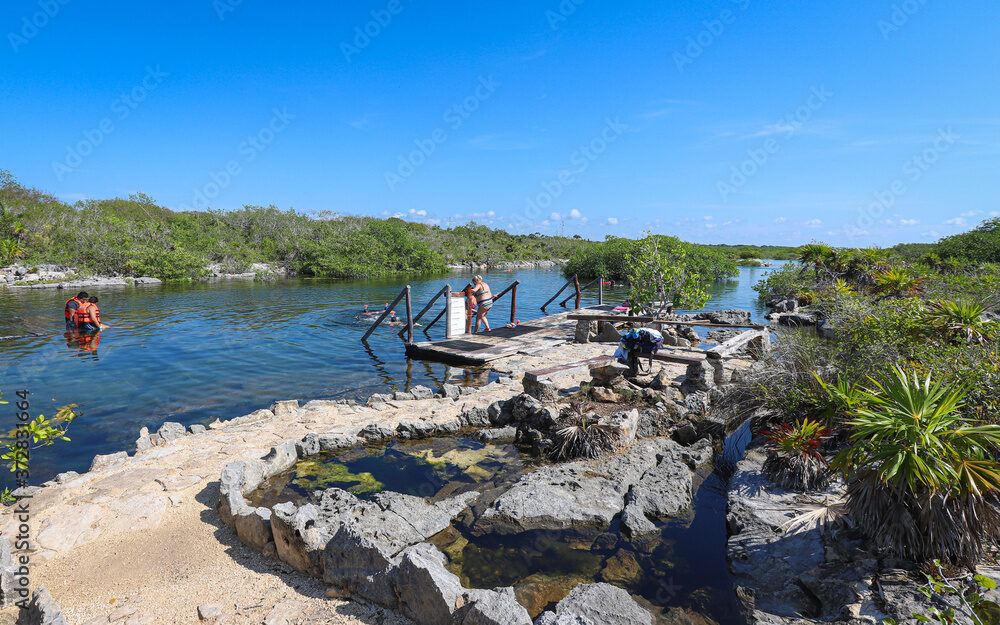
<point>432,468</point>
<point>311,475</point>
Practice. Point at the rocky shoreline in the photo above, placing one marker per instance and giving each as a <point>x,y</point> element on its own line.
<point>61,277</point>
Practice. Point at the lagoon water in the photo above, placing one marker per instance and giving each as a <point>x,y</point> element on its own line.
<point>194,352</point>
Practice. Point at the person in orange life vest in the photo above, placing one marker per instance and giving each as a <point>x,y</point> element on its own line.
<point>71,306</point>
<point>88,317</point>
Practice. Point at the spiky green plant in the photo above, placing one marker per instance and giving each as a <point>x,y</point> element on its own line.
<point>837,400</point>
<point>793,459</point>
<point>10,250</point>
<point>583,436</point>
<point>922,479</point>
<point>897,282</point>
<point>961,320</point>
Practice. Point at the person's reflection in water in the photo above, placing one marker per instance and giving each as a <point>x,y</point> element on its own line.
<point>84,344</point>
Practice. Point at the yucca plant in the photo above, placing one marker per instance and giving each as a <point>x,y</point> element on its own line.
<point>922,479</point>
<point>793,459</point>
<point>897,282</point>
<point>815,254</point>
<point>961,321</point>
<point>10,250</point>
<point>583,436</point>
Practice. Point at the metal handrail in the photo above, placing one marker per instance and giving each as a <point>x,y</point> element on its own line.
<point>563,288</point>
<point>446,288</point>
<point>385,313</point>
<point>600,298</point>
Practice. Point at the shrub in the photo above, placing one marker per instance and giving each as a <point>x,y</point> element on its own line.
<point>923,479</point>
<point>793,460</point>
<point>782,283</point>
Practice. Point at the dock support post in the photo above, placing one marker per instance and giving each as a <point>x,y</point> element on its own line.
<point>600,290</point>
<point>513,303</point>
<point>409,317</point>
<point>576,283</point>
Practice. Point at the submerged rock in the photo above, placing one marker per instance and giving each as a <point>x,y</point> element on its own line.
<point>597,604</point>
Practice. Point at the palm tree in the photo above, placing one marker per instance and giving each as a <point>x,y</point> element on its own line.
<point>922,479</point>
<point>10,250</point>
<point>815,254</point>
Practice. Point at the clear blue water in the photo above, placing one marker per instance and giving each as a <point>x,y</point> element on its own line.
<point>194,352</point>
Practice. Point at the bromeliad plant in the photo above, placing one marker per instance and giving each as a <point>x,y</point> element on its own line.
<point>922,479</point>
<point>794,460</point>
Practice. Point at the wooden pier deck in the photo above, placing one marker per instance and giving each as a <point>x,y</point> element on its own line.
<point>529,337</point>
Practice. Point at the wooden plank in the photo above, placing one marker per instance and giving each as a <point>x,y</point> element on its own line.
<point>543,374</point>
<point>733,344</point>
<point>680,357</point>
<point>645,319</point>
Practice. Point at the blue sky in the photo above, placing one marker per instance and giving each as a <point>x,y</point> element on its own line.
<point>733,121</point>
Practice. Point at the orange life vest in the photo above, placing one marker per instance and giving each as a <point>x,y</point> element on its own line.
<point>69,311</point>
<point>83,313</point>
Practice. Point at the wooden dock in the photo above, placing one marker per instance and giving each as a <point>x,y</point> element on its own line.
<point>529,337</point>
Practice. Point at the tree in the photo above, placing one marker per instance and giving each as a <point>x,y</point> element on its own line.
<point>661,275</point>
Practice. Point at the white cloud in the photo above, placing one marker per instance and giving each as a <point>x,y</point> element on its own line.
<point>555,217</point>
<point>781,220</point>
<point>970,213</point>
<point>575,214</point>
<point>613,221</point>
<point>908,222</point>
<point>584,220</point>
<point>930,234</point>
<point>957,221</point>
<point>887,222</point>
<point>995,213</point>
<point>491,214</point>
<point>709,225</point>
<point>545,223</point>
<point>709,218</point>
<point>421,213</point>
<point>813,223</point>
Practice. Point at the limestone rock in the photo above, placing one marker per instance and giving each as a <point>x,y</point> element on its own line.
<point>495,607</point>
<point>308,446</point>
<point>101,461</point>
<point>375,432</point>
<point>43,610</point>
<point>254,529</point>
<point>587,493</point>
<point>421,392</point>
<point>76,526</point>
<point>403,396</point>
<point>171,430</point>
<point>428,592</point>
<point>475,417</point>
<point>282,457</point>
<point>197,428</point>
<point>209,611</point>
<point>599,604</point>
<point>284,408</point>
<point>336,442</point>
<point>496,434</point>
<point>601,394</point>
<point>359,565</point>
<point>451,391</point>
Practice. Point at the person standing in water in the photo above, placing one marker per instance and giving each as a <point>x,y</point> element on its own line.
<point>88,317</point>
<point>484,301</point>
<point>72,304</point>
